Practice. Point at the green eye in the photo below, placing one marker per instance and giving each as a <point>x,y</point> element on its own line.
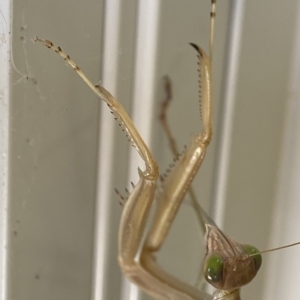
<point>214,268</point>
<point>257,258</point>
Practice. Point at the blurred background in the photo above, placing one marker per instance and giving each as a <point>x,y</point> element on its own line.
<point>62,154</point>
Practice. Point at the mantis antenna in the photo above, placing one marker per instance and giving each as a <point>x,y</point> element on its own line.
<point>212,27</point>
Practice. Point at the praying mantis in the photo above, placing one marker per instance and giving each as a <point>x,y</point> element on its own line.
<point>146,273</point>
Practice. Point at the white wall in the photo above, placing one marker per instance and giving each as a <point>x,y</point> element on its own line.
<point>55,140</point>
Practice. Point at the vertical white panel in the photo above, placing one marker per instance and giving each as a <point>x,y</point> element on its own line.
<point>5,50</point>
<point>283,270</point>
<point>102,242</point>
<point>49,112</point>
<point>53,150</point>
<point>147,32</point>
<point>227,108</point>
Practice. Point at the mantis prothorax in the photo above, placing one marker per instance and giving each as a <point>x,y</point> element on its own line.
<point>227,265</point>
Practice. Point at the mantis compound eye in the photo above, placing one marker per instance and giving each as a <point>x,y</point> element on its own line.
<point>250,250</point>
<point>213,268</point>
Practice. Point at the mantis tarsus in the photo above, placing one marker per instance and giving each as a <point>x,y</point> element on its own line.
<point>229,266</point>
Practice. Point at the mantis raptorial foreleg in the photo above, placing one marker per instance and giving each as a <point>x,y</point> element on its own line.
<point>173,145</point>
<point>200,282</point>
<point>146,273</point>
<point>227,264</point>
<point>178,181</point>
